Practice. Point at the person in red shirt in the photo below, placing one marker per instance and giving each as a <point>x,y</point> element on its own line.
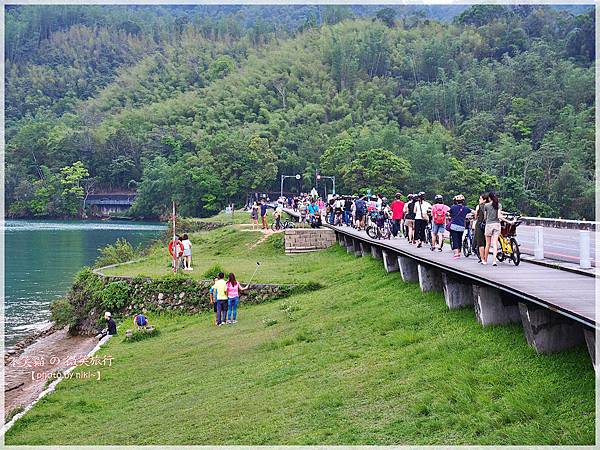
<point>397,214</point>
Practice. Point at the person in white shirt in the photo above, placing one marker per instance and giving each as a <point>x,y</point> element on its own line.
<point>187,253</point>
<point>421,210</point>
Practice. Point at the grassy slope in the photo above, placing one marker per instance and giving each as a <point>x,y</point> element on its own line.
<point>236,251</point>
<point>366,360</point>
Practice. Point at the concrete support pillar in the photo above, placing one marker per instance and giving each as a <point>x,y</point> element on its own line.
<point>492,309</point>
<point>590,340</point>
<point>365,248</point>
<point>456,292</point>
<point>390,261</point>
<point>547,331</point>
<point>430,279</point>
<point>357,248</point>
<point>340,239</point>
<point>349,245</point>
<point>376,252</point>
<point>408,269</point>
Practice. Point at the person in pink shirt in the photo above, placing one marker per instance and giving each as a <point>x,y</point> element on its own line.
<point>397,214</point>
<point>439,211</point>
<point>233,297</point>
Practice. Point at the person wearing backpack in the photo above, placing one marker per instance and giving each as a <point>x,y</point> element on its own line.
<point>361,210</point>
<point>438,227</point>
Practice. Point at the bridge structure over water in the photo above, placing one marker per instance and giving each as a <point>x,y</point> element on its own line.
<point>556,307</point>
<point>106,204</point>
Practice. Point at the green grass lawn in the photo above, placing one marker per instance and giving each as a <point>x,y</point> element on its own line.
<point>368,359</point>
<point>237,251</point>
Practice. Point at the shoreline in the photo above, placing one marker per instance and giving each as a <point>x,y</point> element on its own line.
<point>26,369</point>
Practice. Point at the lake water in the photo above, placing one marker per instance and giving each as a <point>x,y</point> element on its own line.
<point>41,258</point>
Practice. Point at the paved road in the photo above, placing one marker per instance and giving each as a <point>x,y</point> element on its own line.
<point>559,243</point>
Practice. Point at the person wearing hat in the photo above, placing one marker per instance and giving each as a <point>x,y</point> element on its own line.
<point>111,326</point>
<point>458,214</point>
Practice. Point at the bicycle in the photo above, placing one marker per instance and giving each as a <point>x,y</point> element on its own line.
<point>374,231</point>
<point>509,247</point>
<point>467,243</point>
<point>282,225</point>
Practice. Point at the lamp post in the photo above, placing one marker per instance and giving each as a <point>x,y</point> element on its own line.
<point>332,179</point>
<point>283,177</point>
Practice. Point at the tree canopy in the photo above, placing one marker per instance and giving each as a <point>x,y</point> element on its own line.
<point>203,104</point>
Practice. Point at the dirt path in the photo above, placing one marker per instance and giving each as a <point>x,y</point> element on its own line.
<point>24,376</point>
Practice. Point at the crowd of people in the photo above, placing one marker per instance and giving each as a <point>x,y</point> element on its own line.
<point>408,217</point>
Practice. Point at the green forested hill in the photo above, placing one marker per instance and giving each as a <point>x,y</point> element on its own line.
<point>203,105</point>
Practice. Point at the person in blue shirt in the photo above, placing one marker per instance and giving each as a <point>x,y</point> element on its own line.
<point>314,214</point>
<point>140,321</point>
<point>458,214</point>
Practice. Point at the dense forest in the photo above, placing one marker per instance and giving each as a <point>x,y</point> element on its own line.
<point>203,104</point>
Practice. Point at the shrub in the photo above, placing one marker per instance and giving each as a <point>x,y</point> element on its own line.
<point>213,271</point>
<point>115,295</point>
<point>139,335</point>
<point>63,312</point>
<point>269,322</point>
<point>119,252</point>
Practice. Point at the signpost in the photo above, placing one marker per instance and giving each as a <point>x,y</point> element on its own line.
<point>283,177</point>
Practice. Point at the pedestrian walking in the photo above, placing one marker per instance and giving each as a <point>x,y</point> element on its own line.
<point>263,214</point>
<point>421,210</point>
<point>479,228</point>
<point>492,215</point>
<point>438,227</point>
<point>254,215</point>
<point>409,218</point>
<point>397,207</point>
<point>458,215</point>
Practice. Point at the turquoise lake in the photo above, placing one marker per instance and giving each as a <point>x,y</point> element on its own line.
<point>41,258</point>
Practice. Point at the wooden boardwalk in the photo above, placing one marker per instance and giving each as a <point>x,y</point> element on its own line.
<point>569,294</point>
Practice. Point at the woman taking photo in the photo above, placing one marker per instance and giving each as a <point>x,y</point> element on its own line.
<point>233,288</point>
<point>492,215</point>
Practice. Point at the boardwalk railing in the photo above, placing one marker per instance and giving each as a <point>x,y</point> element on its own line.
<point>555,307</point>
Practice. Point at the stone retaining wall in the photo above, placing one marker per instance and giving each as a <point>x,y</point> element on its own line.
<point>300,240</point>
<point>167,294</point>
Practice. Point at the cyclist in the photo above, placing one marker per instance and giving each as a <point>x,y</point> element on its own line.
<point>438,212</point>
<point>458,214</point>
<point>314,215</point>
<point>397,214</point>
<point>421,209</point>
